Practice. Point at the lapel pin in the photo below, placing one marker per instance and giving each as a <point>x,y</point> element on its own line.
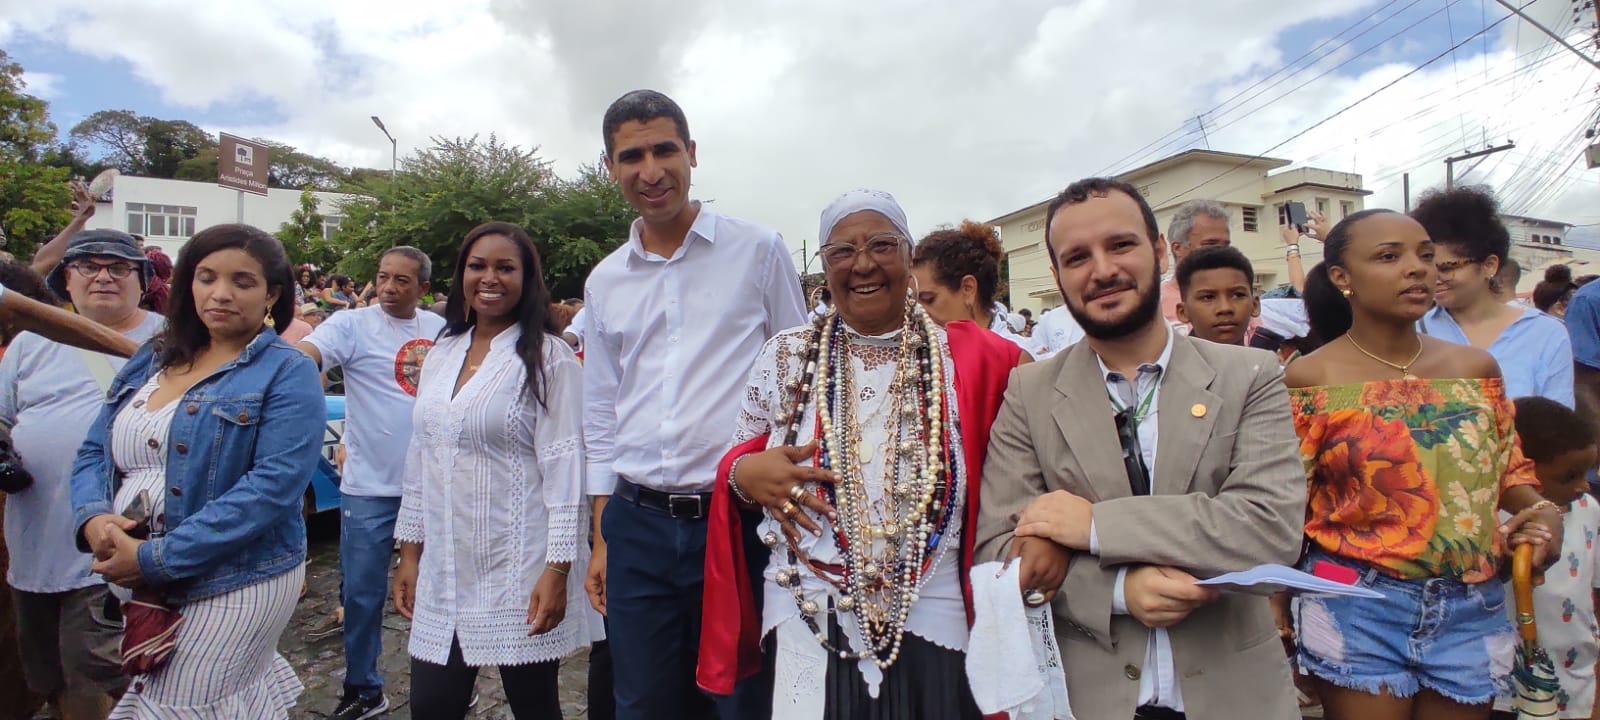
<point>1198,410</point>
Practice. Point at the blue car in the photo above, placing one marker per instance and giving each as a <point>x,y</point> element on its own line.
<point>323,494</point>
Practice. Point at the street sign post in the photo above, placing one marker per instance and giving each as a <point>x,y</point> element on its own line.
<point>242,165</point>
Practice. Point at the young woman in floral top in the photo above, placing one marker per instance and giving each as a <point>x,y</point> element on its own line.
<point>1410,452</point>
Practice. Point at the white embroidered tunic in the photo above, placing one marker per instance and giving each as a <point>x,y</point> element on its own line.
<point>939,614</point>
<point>493,491</point>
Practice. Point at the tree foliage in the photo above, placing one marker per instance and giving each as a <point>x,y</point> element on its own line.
<point>178,149</point>
<point>302,234</point>
<point>34,199</point>
<point>446,190</point>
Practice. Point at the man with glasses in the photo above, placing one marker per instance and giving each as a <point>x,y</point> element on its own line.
<point>49,396</point>
<point>674,319</point>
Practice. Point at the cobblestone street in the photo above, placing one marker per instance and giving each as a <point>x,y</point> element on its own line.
<point>320,663</point>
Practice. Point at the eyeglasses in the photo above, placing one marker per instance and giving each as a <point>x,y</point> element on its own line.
<point>1446,269</point>
<point>880,248</point>
<point>90,269</point>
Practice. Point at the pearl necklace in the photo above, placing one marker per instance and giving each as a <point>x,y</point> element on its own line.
<point>889,545</point>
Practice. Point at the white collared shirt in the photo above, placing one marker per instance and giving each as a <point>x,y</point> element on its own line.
<point>1158,683</point>
<point>668,344</point>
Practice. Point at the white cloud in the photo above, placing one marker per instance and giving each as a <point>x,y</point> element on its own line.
<point>41,84</point>
<point>960,109</point>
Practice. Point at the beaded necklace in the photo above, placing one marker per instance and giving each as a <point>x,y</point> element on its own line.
<point>888,545</point>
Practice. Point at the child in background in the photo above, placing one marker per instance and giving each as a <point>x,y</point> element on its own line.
<point>1216,287</point>
<point>1561,444</point>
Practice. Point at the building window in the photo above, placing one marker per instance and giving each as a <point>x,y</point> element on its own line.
<point>1555,240</point>
<point>330,225</point>
<point>1249,216</point>
<point>176,221</point>
<point>1322,206</point>
<point>1345,208</point>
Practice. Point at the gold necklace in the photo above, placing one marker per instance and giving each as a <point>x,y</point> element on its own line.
<point>1405,370</point>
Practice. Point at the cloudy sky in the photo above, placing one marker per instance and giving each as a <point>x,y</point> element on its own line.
<point>961,109</point>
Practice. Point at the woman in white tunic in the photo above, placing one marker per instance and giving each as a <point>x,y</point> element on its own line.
<point>493,503</point>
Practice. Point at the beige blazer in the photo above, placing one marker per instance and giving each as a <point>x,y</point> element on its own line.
<point>1228,493</point>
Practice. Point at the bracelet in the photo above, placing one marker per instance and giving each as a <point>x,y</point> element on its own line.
<point>1544,504</point>
<point>733,470</point>
<point>1292,249</point>
<point>557,570</point>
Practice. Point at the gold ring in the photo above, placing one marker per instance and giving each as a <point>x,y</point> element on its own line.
<point>796,492</point>
<point>787,508</point>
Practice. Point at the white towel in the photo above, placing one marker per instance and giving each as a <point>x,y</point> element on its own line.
<point>1028,686</point>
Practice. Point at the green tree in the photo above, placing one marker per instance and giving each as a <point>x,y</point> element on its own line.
<point>33,196</point>
<point>142,145</point>
<point>302,234</point>
<point>459,183</point>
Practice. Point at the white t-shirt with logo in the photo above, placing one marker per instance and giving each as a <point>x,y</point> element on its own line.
<point>382,359</point>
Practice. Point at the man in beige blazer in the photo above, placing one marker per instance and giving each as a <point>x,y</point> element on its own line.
<point>1216,448</point>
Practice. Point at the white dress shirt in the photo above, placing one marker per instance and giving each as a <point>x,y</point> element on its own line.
<point>494,491</point>
<point>668,344</point>
<point>1158,683</point>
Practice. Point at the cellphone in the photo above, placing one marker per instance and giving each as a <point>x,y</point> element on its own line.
<point>139,512</point>
<point>1297,215</point>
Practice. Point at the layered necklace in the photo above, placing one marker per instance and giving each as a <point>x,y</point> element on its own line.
<point>888,543</point>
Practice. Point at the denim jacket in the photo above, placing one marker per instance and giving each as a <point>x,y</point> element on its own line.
<point>239,457</point>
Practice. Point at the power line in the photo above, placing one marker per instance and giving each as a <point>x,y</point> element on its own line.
<point>1342,110</point>
<point>1141,152</point>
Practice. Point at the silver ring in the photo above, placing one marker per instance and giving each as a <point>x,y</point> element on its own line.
<point>1032,597</point>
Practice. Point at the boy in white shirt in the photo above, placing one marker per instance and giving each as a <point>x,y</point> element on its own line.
<point>1561,444</point>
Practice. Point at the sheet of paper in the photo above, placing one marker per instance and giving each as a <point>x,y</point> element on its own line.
<point>1268,579</point>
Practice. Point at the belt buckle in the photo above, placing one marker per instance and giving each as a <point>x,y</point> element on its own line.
<point>689,507</point>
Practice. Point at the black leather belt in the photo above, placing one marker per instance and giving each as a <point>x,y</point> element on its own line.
<point>1153,712</point>
<point>681,506</point>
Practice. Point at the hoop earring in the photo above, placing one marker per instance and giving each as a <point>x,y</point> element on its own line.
<point>268,321</point>
<point>1345,292</point>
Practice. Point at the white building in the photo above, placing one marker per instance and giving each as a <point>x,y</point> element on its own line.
<point>168,212</point>
<point>1250,187</point>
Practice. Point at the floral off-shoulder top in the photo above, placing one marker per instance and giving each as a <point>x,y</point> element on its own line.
<point>1406,475</point>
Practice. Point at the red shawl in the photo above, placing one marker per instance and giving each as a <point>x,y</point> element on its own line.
<point>730,635</point>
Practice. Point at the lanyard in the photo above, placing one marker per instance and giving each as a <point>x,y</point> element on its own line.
<point>1144,405</point>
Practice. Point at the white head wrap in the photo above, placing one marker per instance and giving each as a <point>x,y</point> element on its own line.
<point>855,201</point>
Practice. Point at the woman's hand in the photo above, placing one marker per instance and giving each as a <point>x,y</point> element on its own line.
<point>1044,566</point>
<point>405,584</point>
<point>94,533</point>
<point>774,481</point>
<point>1319,227</point>
<point>120,565</point>
<point>1539,525</point>
<point>547,605</point>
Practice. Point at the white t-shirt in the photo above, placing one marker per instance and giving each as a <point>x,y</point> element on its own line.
<point>50,397</point>
<point>382,361</point>
<point>1564,609</point>
<point>1055,331</point>
<point>579,325</point>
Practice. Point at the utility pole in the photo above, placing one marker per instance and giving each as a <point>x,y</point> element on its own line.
<point>1405,188</point>
<point>1518,12</point>
<point>1450,162</point>
<point>1201,121</point>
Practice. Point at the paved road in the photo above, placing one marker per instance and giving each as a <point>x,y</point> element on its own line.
<point>320,663</point>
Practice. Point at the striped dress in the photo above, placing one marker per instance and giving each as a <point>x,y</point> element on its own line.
<point>226,665</point>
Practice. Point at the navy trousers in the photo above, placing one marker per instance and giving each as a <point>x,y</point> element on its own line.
<point>655,572</point>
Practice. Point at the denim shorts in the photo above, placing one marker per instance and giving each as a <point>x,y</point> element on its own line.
<point>1439,634</point>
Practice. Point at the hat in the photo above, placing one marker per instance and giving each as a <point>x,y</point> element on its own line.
<point>99,243</point>
<point>308,308</point>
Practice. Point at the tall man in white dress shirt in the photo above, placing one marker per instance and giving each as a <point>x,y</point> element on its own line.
<point>380,348</point>
<point>674,319</point>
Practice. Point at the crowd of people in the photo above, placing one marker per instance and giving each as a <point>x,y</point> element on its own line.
<point>871,509</point>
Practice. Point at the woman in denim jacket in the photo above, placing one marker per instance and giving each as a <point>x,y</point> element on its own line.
<point>206,427</point>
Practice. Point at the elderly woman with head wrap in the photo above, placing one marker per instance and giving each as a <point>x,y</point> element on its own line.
<point>861,439</point>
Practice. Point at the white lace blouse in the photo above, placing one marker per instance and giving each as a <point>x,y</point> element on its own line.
<point>939,614</point>
<point>493,491</point>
